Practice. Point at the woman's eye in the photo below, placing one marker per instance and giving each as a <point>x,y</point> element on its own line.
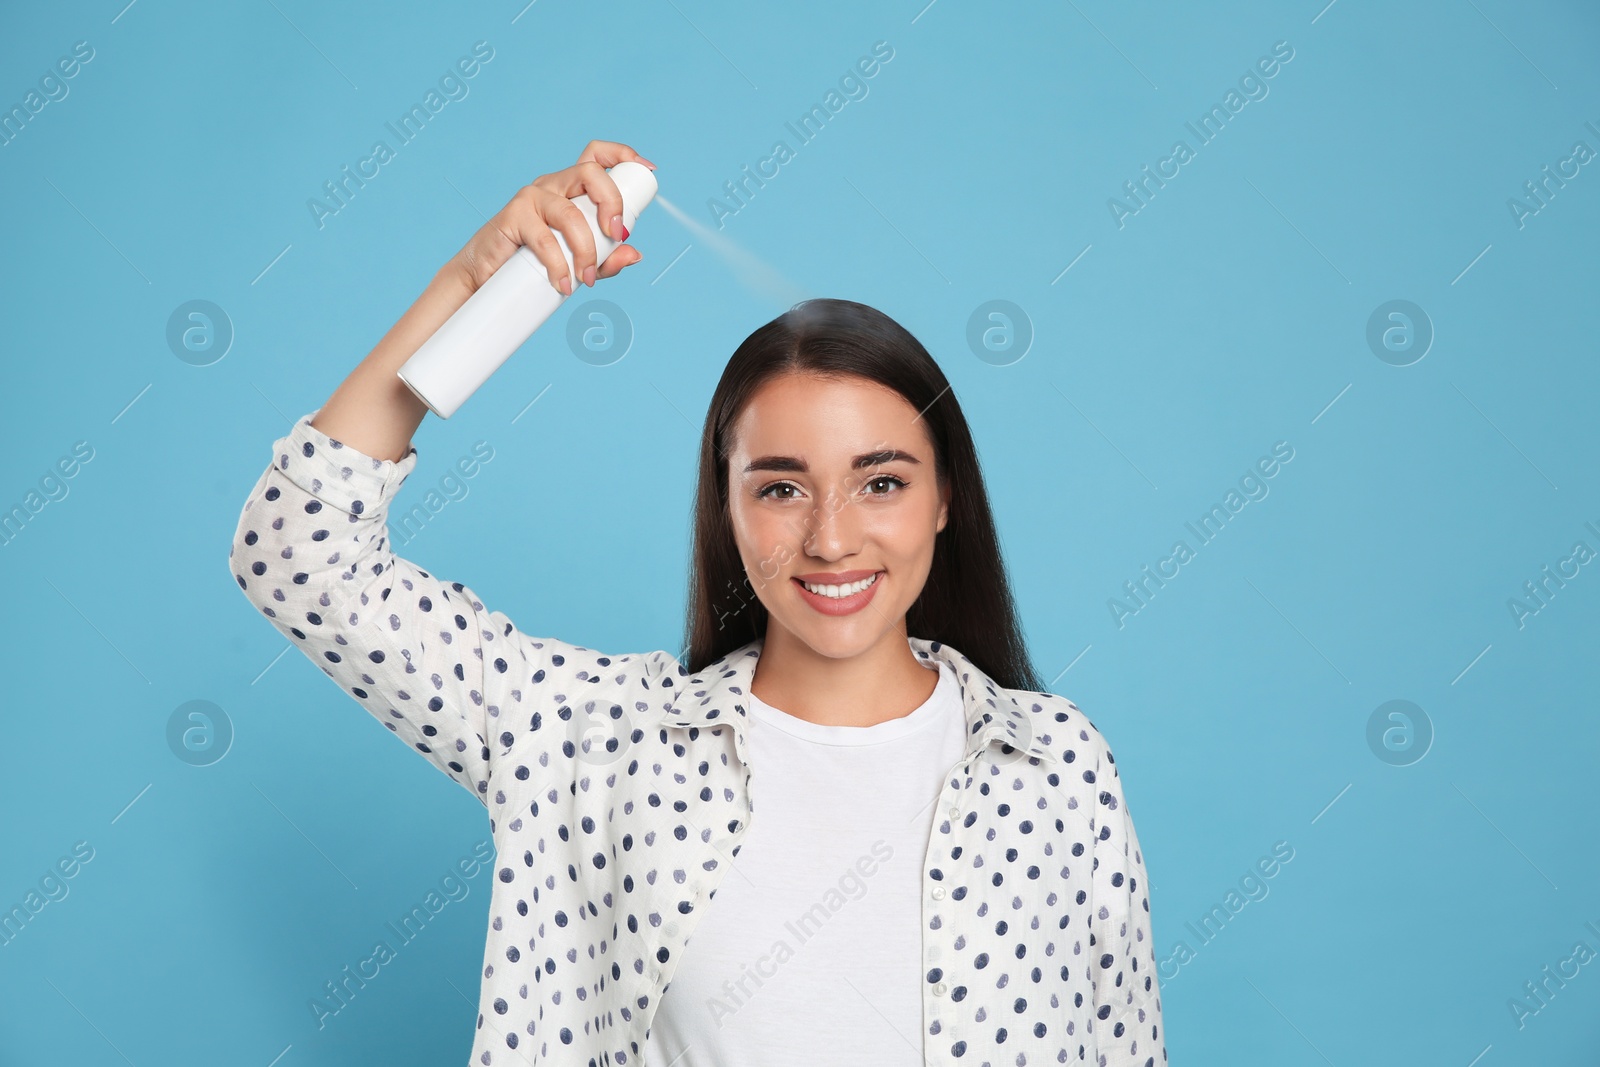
<point>769,490</point>
<point>774,491</point>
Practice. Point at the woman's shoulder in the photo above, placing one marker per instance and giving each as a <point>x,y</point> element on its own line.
<point>1067,727</point>
<point>1051,720</point>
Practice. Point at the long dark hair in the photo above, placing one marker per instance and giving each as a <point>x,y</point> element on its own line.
<point>966,601</point>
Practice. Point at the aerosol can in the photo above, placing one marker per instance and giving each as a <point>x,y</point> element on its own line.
<point>505,311</point>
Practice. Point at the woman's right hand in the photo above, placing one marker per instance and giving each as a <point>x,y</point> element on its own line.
<point>372,410</point>
<point>546,203</point>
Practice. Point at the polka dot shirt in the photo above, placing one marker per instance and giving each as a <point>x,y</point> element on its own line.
<point>618,792</point>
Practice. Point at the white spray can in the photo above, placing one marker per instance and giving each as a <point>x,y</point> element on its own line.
<point>505,311</point>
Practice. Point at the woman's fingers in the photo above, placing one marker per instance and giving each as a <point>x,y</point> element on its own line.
<point>594,182</point>
<point>543,207</point>
<point>607,198</point>
<point>610,153</point>
<point>588,178</point>
<point>562,214</point>
<point>533,218</point>
<point>623,256</point>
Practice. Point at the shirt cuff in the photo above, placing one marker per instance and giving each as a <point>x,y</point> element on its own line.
<point>335,473</point>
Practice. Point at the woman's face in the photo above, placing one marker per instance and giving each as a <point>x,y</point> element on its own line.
<point>832,481</point>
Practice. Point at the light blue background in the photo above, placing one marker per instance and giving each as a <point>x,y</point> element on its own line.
<point>1228,314</point>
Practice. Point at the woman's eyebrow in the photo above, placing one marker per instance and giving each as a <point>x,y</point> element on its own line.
<point>795,464</point>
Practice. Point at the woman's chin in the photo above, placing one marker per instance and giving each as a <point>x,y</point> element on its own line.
<point>838,637</point>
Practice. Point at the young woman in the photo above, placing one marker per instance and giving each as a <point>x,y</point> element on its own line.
<point>852,828</point>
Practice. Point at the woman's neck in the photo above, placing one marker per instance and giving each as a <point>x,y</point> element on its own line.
<point>880,683</point>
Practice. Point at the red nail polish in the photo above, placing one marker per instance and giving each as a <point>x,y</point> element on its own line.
<point>624,231</point>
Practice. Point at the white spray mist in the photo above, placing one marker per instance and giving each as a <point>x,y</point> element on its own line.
<point>755,275</point>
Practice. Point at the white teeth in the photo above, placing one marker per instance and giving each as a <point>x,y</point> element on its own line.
<point>837,591</point>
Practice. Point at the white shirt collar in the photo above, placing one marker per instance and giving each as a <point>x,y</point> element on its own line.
<point>997,716</point>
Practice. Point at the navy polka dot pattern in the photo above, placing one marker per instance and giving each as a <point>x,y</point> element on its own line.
<point>618,790</point>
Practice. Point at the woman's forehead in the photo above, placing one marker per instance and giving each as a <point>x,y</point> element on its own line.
<point>827,419</point>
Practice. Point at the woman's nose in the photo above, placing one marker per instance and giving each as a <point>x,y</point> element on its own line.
<point>832,527</point>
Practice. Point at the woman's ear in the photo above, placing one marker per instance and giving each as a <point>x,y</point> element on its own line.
<point>944,507</point>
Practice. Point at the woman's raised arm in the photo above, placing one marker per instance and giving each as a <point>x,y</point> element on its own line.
<point>372,411</point>
<point>311,551</point>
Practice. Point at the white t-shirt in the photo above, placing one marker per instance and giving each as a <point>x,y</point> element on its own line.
<point>811,950</point>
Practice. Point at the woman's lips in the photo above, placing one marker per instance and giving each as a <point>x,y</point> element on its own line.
<point>847,605</point>
<point>835,577</point>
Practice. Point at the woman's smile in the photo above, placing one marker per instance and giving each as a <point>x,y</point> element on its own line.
<point>836,597</point>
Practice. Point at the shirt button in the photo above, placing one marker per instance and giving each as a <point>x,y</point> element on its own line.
<point>938,892</point>
<point>954,811</point>
<point>939,989</point>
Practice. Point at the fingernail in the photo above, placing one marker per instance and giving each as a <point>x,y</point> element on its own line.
<point>647,163</point>
<point>562,287</point>
<point>616,228</point>
<point>588,276</point>
<point>624,228</point>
